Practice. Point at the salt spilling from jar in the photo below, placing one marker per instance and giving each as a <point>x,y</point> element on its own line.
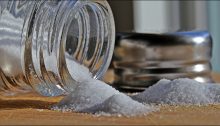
<point>35,37</point>
<point>94,96</point>
<point>41,42</point>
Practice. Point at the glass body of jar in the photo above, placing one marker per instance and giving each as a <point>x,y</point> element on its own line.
<point>38,37</point>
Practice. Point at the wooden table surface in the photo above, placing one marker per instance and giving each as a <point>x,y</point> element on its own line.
<point>31,109</point>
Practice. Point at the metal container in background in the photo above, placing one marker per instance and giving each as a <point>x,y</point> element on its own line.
<point>140,60</point>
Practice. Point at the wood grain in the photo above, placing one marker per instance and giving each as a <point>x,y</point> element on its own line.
<point>32,109</point>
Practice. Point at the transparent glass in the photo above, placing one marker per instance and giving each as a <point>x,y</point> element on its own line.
<point>37,37</point>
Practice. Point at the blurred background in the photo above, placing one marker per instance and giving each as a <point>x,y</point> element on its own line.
<point>170,16</point>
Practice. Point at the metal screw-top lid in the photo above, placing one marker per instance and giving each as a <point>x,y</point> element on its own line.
<point>140,60</point>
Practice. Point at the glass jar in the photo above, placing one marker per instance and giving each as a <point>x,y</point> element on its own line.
<point>37,37</point>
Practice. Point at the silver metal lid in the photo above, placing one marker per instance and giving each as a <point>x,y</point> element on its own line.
<point>140,60</point>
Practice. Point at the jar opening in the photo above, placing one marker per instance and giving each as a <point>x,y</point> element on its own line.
<point>90,38</point>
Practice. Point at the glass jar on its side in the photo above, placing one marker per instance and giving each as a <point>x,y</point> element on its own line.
<point>38,37</point>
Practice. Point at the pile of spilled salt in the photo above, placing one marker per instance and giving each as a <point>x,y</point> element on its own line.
<point>180,92</point>
<point>98,98</point>
<point>87,94</point>
<point>120,104</point>
<point>94,96</point>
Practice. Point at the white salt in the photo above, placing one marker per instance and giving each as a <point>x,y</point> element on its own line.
<point>97,97</point>
<point>180,92</point>
<point>94,96</point>
<point>78,72</point>
<point>120,105</point>
<point>214,92</point>
<point>87,94</point>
